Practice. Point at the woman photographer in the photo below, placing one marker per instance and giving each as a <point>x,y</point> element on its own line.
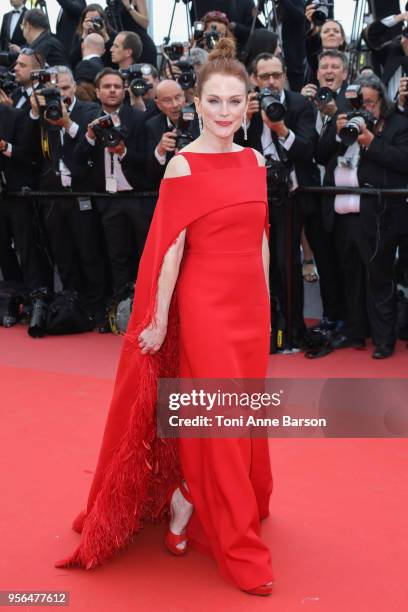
<point>329,35</point>
<point>93,19</point>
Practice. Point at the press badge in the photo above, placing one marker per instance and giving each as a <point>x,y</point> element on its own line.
<point>111,184</point>
<point>84,204</point>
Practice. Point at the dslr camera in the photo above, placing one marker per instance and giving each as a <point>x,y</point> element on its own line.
<point>270,103</point>
<point>8,82</point>
<point>107,130</point>
<point>53,103</point>
<point>98,23</point>
<point>357,118</point>
<point>183,134</point>
<point>278,179</point>
<point>321,12</point>
<point>134,79</point>
<point>187,78</point>
<point>174,52</point>
<point>211,38</point>
<point>7,58</point>
<point>324,95</point>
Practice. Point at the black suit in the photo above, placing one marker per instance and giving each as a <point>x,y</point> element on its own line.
<point>294,40</point>
<point>87,70</point>
<point>72,227</point>
<point>17,38</point>
<point>17,214</point>
<point>367,241</point>
<point>300,119</point>
<point>68,21</point>
<point>50,48</point>
<point>125,219</point>
<point>155,128</point>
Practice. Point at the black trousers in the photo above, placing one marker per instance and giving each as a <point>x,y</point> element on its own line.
<point>17,217</point>
<point>285,270</point>
<point>328,266</point>
<point>126,222</point>
<point>370,291</point>
<point>75,239</point>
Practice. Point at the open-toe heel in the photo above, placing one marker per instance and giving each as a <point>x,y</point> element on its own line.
<point>173,540</point>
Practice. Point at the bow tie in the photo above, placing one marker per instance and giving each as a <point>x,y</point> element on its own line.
<point>15,12</point>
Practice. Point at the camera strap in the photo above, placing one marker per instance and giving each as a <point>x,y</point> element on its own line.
<point>280,151</point>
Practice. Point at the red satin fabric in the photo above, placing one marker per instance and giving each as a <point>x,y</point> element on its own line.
<point>224,333</point>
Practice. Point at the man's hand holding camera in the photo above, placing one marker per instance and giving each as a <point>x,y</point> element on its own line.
<point>365,138</point>
<point>5,99</point>
<point>253,105</point>
<point>167,143</point>
<point>279,127</point>
<point>310,91</point>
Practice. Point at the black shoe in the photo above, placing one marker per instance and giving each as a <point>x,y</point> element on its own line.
<point>344,342</point>
<point>382,352</point>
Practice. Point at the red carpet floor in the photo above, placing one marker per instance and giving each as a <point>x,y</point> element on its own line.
<point>338,531</point>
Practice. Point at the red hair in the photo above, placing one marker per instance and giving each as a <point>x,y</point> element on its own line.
<point>222,61</point>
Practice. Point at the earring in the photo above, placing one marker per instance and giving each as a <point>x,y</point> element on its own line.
<point>245,128</point>
<point>200,123</point>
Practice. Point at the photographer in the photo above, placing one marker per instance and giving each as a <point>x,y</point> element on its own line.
<point>368,147</point>
<point>161,131</point>
<point>215,25</point>
<point>27,61</point>
<point>114,147</point>
<point>328,98</point>
<point>288,144</point>
<point>324,33</point>
<point>18,214</point>
<point>93,21</point>
<point>36,32</point>
<point>11,35</point>
<point>57,121</point>
<point>67,21</point>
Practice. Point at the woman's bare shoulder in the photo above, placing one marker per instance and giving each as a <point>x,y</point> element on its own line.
<point>177,166</point>
<point>260,157</point>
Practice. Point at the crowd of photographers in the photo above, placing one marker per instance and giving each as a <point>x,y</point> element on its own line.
<point>91,111</point>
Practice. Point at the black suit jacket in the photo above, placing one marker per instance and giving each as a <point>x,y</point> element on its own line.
<point>133,163</point>
<point>18,169</point>
<point>17,38</point>
<point>383,164</point>
<point>301,119</point>
<point>68,21</point>
<point>50,48</point>
<point>87,70</point>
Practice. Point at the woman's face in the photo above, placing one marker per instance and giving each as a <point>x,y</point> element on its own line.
<point>222,105</point>
<point>331,35</point>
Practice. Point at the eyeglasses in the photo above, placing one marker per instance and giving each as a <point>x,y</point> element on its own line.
<point>267,75</point>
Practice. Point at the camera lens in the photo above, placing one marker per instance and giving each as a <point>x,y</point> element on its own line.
<point>324,95</point>
<point>351,131</point>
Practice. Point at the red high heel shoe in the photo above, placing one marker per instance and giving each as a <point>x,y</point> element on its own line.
<point>263,589</point>
<point>172,540</point>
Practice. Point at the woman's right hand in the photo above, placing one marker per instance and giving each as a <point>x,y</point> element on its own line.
<point>152,338</point>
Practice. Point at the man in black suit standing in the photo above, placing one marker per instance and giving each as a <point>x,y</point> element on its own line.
<point>290,144</point>
<point>71,224</point>
<point>119,169</point>
<point>36,33</point>
<point>11,35</point>
<point>67,21</point>
<point>93,48</point>
<point>161,129</point>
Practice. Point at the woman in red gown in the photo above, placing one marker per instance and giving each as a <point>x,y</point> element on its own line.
<point>201,311</point>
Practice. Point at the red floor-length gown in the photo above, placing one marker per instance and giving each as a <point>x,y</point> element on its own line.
<point>224,333</point>
<point>218,327</point>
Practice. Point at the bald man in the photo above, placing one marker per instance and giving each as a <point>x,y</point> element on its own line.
<point>161,130</point>
<point>93,48</point>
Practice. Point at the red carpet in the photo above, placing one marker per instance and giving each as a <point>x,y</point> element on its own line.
<point>337,529</point>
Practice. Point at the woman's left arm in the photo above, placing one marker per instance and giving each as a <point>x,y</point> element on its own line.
<point>265,259</point>
<point>138,11</point>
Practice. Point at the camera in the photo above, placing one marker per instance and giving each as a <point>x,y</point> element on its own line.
<point>174,51</point>
<point>107,130</point>
<point>8,82</point>
<point>43,77</point>
<point>98,23</point>
<point>324,95</point>
<point>270,103</point>
<point>198,30</point>
<point>357,118</point>
<point>7,58</point>
<point>187,78</point>
<point>211,38</point>
<point>134,79</point>
<point>321,12</point>
<point>53,103</point>
<point>278,179</point>
<point>183,133</point>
